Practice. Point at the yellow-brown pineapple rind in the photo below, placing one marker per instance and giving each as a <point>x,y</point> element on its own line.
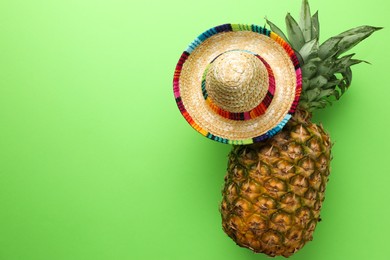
<point>274,189</point>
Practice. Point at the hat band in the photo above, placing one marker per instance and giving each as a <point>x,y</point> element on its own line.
<point>257,111</point>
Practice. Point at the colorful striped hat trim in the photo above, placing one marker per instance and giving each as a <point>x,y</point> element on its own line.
<point>244,127</point>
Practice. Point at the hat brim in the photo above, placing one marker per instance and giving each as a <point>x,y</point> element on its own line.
<point>273,49</point>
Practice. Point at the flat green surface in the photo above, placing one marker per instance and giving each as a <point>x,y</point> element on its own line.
<point>96,161</point>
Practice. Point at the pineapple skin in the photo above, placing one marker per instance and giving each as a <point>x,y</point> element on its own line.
<point>274,190</point>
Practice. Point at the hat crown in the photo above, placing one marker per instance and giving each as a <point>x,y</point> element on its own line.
<point>236,81</point>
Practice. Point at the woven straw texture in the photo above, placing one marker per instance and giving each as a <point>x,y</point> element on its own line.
<point>237,84</point>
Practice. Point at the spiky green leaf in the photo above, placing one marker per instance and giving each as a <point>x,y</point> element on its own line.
<point>309,70</point>
<point>345,81</point>
<point>336,94</point>
<point>339,65</point>
<point>277,30</point>
<point>316,105</point>
<point>315,27</point>
<point>344,60</point>
<point>326,67</point>
<point>305,21</point>
<point>342,87</point>
<point>329,48</point>
<point>344,41</point>
<point>318,82</point>
<point>365,29</point>
<point>352,37</point>
<point>355,61</point>
<point>309,50</point>
<point>312,94</point>
<point>299,57</point>
<point>325,93</point>
<point>347,76</point>
<point>294,33</point>
<point>332,83</point>
<point>305,84</point>
<point>324,102</point>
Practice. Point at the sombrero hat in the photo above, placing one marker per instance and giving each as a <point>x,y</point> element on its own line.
<point>237,84</point>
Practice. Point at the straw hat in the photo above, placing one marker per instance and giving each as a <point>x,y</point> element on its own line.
<point>237,84</point>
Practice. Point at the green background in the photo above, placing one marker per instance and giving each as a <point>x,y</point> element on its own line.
<point>96,161</point>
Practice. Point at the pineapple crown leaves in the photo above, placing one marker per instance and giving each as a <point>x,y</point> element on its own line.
<point>325,72</point>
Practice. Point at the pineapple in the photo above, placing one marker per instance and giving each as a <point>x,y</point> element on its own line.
<point>274,189</point>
